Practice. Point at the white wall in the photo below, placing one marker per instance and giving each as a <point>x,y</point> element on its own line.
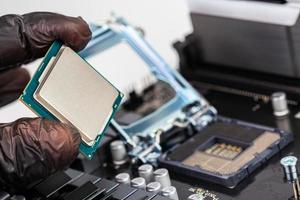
<point>164,21</point>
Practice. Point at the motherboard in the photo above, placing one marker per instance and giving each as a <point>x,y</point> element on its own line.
<point>189,138</point>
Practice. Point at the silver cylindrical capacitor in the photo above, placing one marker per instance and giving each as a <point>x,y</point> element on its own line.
<point>146,171</point>
<point>123,178</point>
<point>138,182</point>
<point>196,197</point>
<point>118,152</point>
<point>279,103</point>
<point>162,176</point>
<point>153,187</point>
<point>288,164</point>
<point>170,192</point>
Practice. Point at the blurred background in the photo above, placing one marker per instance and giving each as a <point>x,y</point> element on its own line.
<point>163,21</point>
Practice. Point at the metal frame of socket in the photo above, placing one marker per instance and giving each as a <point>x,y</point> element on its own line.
<point>142,137</point>
<point>157,181</point>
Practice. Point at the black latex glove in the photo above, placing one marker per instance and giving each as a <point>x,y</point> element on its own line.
<point>31,149</point>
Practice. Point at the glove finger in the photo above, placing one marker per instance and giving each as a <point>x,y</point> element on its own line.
<point>32,149</point>
<point>29,36</point>
<point>43,28</point>
<point>12,83</point>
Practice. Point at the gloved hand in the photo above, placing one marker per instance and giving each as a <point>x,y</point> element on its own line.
<point>31,149</point>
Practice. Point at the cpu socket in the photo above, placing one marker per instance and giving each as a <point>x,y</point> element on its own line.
<point>226,151</point>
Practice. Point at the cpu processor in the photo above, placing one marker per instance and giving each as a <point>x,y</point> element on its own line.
<point>66,88</point>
